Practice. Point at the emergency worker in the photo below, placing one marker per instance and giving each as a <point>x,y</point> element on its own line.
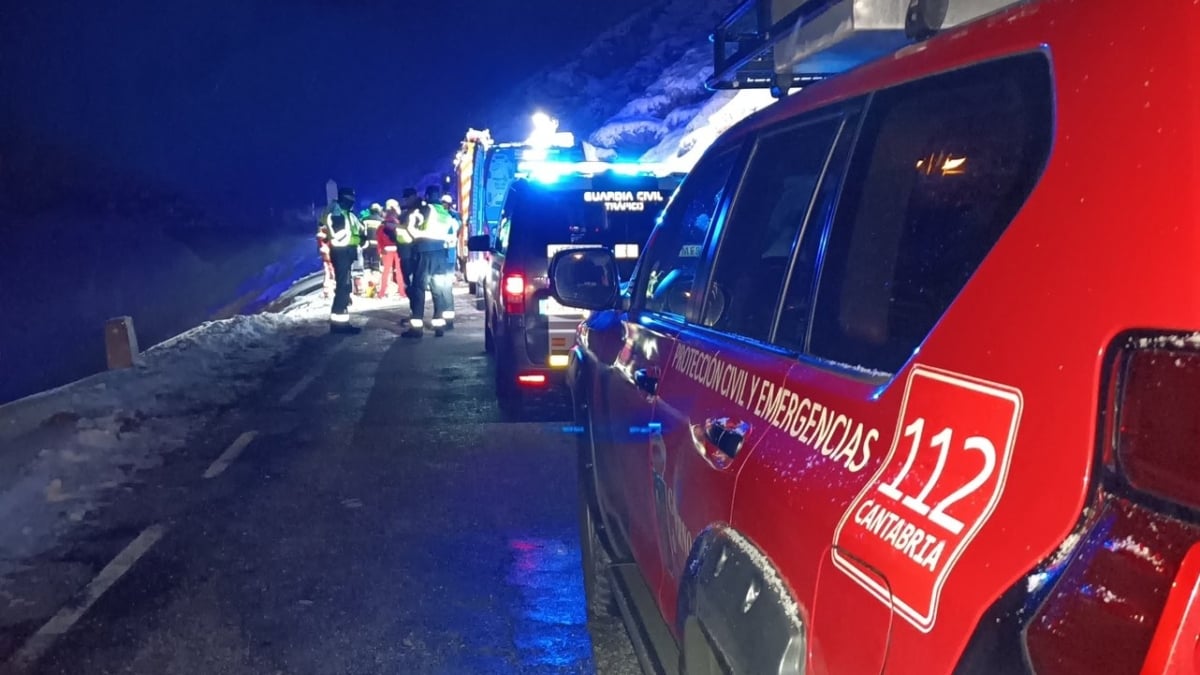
<point>443,281</point>
<point>371,222</point>
<point>326,264</point>
<point>388,239</point>
<point>410,216</point>
<point>342,229</point>
<point>432,234</point>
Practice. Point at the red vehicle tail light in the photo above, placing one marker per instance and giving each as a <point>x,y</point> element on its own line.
<point>1102,613</point>
<point>1158,428</point>
<point>514,294</point>
<point>532,380</point>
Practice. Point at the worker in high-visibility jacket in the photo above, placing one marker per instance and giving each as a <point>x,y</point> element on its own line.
<point>443,282</point>
<point>371,222</point>
<point>433,234</point>
<point>410,217</point>
<point>342,229</point>
<point>389,235</point>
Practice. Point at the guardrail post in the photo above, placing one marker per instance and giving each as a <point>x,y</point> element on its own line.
<point>120,342</point>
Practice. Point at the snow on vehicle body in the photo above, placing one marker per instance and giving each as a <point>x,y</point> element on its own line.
<point>906,378</point>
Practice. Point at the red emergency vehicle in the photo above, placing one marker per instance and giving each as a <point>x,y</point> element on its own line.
<point>907,378</point>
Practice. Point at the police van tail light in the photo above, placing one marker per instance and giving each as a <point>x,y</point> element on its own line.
<point>1104,612</point>
<point>514,293</point>
<point>531,380</point>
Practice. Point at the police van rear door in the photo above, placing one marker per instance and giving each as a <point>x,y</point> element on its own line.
<point>616,212</point>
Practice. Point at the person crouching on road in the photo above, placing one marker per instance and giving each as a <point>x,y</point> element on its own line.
<point>343,230</point>
<point>388,242</point>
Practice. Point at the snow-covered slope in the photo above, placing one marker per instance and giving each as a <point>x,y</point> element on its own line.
<point>616,68</point>
<point>638,89</point>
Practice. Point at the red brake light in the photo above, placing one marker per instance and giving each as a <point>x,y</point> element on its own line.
<point>532,380</point>
<point>1158,431</point>
<point>514,294</point>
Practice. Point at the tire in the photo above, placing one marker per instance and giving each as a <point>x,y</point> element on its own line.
<point>489,340</point>
<point>510,398</point>
<point>597,587</point>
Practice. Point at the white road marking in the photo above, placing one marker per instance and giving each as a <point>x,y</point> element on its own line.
<point>300,386</point>
<point>59,624</point>
<point>319,367</point>
<point>231,453</point>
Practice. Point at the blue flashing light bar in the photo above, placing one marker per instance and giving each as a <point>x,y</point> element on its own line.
<point>551,171</point>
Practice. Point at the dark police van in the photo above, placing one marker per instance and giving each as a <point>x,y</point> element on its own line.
<point>550,208</point>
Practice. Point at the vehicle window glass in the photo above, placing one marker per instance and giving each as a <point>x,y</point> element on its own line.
<point>794,316</point>
<point>668,268</point>
<point>941,168</point>
<point>617,216</point>
<point>756,246</point>
<point>502,230</point>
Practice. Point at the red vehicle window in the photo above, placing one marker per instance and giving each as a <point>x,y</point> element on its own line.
<point>941,168</point>
<point>673,253</point>
<point>764,225</point>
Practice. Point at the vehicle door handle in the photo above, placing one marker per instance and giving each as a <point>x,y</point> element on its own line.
<point>726,435</point>
<point>646,379</point>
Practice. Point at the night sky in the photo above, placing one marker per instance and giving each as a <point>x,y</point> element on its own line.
<point>263,100</point>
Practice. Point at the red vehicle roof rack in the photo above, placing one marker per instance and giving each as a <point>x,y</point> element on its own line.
<point>786,44</point>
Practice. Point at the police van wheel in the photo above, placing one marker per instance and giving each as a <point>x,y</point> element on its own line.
<point>489,340</point>
<point>507,394</point>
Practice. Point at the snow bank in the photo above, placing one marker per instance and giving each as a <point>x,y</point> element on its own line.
<point>64,450</point>
<point>682,147</point>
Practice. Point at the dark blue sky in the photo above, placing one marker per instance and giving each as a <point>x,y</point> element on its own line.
<point>266,99</point>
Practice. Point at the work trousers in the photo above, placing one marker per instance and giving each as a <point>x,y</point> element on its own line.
<point>330,277</point>
<point>343,258</point>
<point>442,287</point>
<point>392,266</point>
<point>408,263</point>
<point>371,257</point>
<point>433,273</point>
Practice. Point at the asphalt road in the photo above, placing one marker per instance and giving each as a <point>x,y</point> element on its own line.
<point>366,512</point>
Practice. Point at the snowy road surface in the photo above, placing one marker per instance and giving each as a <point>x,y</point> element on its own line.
<point>364,511</point>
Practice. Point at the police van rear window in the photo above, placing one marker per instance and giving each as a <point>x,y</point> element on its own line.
<point>620,218</point>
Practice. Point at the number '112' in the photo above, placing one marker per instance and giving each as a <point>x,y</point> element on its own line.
<point>942,441</point>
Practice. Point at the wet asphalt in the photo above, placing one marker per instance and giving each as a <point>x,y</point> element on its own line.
<point>381,518</point>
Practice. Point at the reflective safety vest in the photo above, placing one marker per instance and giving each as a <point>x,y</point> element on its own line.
<point>438,223</point>
<point>350,232</point>
<point>404,231</point>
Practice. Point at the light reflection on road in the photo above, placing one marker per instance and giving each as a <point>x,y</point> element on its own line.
<point>550,630</point>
